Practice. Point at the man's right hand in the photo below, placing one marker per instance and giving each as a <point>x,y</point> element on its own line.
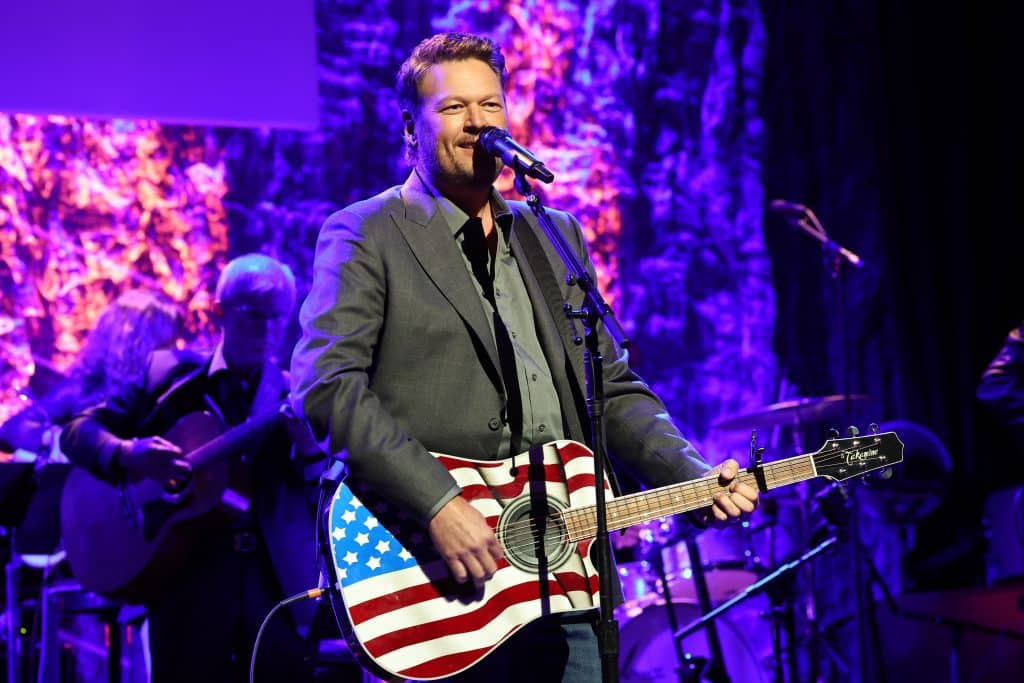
<point>466,541</point>
<point>156,458</point>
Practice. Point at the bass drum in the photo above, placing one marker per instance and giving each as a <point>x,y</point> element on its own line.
<point>729,560</point>
<point>647,655</point>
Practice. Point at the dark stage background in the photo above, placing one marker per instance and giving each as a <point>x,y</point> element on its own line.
<point>883,118</point>
<point>670,125</point>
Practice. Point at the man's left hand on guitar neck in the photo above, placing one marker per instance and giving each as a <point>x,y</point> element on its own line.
<point>736,501</point>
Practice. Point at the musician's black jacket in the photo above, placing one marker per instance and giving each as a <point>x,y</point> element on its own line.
<point>1002,385</point>
<point>177,383</point>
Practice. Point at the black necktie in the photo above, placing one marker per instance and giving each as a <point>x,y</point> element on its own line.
<point>474,246</point>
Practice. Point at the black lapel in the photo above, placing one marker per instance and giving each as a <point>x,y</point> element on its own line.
<point>177,398</point>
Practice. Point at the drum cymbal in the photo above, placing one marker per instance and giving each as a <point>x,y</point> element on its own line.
<point>796,411</point>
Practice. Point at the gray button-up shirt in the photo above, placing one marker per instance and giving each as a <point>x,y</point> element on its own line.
<point>503,295</point>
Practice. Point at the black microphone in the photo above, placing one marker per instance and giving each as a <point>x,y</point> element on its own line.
<point>788,208</point>
<point>801,217</point>
<point>499,143</point>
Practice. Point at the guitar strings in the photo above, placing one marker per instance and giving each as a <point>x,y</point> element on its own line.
<point>527,531</point>
<point>518,531</point>
<point>578,525</point>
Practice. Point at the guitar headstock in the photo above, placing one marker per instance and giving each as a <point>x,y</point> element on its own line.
<point>842,459</point>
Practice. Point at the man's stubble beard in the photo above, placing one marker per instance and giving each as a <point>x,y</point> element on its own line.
<point>480,175</point>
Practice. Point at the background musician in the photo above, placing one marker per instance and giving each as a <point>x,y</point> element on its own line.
<point>203,623</point>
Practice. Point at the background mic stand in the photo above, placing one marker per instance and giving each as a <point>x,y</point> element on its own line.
<point>755,588</point>
<point>593,312</point>
<point>838,260</point>
<point>716,671</point>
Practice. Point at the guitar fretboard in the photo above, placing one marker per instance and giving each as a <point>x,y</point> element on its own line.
<point>581,523</point>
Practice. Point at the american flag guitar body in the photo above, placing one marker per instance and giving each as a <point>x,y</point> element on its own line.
<point>406,618</point>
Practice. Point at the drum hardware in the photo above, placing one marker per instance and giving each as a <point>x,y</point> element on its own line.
<point>754,589</point>
<point>868,641</point>
<point>649,653</point>
<point>802,416</point>
<point>657,604</point>
<point>726,554</point>
<point>779,587</point>
<point>716,671</point>
<point>956,625</point>
<point>691,669</point>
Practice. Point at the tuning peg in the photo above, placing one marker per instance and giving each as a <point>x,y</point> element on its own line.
<point>833,432</point>
<point>883,474</point>
<point>873,427</point>
<point>852,431</point>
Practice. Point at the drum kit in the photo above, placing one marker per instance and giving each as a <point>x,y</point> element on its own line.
<point>666,567</point>
<point>665,570</point>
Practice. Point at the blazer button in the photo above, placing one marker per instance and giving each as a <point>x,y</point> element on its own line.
<point>494,424</point>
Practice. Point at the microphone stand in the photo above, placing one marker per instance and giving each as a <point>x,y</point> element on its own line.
<point>592,313</point>
<point>838,259</point>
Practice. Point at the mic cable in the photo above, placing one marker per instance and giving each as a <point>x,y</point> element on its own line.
<point>311,594</point>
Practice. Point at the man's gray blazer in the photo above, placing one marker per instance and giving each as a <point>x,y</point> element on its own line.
<point>397,359</point>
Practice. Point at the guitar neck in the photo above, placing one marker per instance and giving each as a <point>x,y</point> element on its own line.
<point>233,440</point>
<point>636,508</point>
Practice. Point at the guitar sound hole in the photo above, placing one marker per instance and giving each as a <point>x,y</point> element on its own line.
<point>533,542</point>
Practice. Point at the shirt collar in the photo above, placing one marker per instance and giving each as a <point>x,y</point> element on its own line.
<point>217,362</point>
<point>456,217</point>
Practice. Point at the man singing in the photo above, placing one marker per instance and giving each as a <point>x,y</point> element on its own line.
<point>427,329</point>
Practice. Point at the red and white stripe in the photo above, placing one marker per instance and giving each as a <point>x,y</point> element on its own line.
<point>413,622</point>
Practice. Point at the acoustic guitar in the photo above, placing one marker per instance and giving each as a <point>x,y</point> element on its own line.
<point>124,541</point>
<point>406,618</point>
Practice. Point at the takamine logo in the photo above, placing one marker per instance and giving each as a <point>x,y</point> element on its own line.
<point>861,456</point>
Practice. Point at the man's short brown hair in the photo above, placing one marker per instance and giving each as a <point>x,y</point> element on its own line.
<point>444,47</point>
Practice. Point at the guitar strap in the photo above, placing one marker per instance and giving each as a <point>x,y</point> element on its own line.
<point>541,267</point>
<point>553,297</point>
